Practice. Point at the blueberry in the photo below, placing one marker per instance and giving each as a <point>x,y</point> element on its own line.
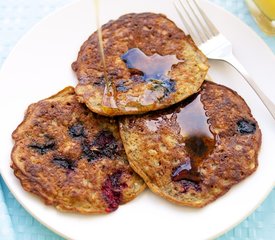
<point>49,145</point>
<point>64,162</point>
<point>186,185</point>
<point>246,127</point>
<point>90,154</point>
<point>115,179</point>
<point>104,139</point>
<point>104,145</point>
<point>76,130</point>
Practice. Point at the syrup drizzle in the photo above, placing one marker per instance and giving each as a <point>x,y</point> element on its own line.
<point>199,140</point>
<point>191,120</point>
<point>155,67</point>
<point>109,100</point>
<point>153,71</point>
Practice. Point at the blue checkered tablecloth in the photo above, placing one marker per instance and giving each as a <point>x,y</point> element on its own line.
<point>18,16</point>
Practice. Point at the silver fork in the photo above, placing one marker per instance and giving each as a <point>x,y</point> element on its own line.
<point>213,44</point>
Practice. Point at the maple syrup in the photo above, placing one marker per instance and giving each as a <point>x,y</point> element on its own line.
<point>154,67</point>
<point>153,71</point>
<point>190,119</point>
<point>198,139</point>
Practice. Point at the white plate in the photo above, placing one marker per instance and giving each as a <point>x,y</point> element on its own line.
<point>40,66</point>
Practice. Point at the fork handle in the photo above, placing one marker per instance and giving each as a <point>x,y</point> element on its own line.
<point>239,67</point>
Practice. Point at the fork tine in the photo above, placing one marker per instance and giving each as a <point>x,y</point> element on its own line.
<point>205,31</point>
<point>195,26</point>
<point>185,23</point>
<point>209,24</point>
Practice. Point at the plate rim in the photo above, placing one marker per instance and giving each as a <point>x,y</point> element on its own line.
<point>69,5</point>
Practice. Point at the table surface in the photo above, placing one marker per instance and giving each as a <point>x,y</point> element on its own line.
<point>17,17</point>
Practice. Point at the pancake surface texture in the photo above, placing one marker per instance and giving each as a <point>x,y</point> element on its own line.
<point>72,158</point>
<point>195,151</point>
<point>147,40</point>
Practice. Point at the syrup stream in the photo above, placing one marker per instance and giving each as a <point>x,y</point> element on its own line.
<point>109,92</point>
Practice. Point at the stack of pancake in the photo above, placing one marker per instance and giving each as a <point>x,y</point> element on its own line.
<point>189,140</point>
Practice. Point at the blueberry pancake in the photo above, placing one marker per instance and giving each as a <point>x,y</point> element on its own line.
<point>150,65</point>
<point>195,151</point>
<point>72,158</point>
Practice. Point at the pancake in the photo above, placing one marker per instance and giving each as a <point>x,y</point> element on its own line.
<point>72,158</point>
<point>195,151</point>
<point>150,65</point>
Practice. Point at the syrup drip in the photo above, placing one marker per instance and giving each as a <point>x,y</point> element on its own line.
<point>191,120</point>
<point>198,139</point>
<point>109,100</point>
